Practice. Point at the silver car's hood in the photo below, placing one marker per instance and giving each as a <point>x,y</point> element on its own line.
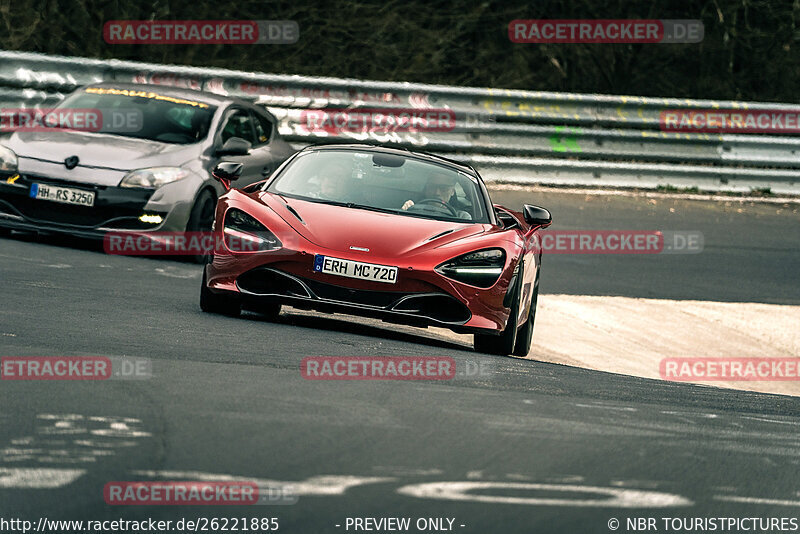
<point>99,150</point>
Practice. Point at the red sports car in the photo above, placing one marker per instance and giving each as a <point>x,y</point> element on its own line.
<point>403,236</point>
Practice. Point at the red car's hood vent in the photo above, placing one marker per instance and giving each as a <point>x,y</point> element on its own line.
<point>383,234</point>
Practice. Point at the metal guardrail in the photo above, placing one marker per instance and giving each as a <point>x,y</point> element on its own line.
<point>583,143</point>
<point>520,136</point>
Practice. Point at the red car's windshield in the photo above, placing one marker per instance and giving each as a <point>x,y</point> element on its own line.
<point>386,182</point>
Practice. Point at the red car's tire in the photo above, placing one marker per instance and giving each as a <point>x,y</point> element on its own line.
<point>211,302</point>
<point>269,310</point>
<point>504,343</point>
<point>525,333</point>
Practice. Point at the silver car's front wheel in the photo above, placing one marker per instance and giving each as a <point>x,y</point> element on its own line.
<point>201,219</point>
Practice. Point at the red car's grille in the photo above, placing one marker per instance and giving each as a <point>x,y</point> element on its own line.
<point>440,307</point>
<point>380,299</point>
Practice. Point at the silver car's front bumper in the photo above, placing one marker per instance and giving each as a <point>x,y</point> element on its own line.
<point>116,208</point>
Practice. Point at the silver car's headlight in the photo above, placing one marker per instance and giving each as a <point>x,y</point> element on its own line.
<point>8,160</point>
<point>154,177</point>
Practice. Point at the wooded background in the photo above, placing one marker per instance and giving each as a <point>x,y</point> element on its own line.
<point>750,49</point>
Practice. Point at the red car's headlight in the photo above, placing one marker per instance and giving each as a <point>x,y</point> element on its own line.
<point>244,233</point>
<point>481,268</point>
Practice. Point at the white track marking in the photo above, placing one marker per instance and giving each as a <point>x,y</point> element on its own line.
<point>565,479</point>
<point>32,478</point>
<point>771,420</point>
<point>606,407</point>
<point>103,444</point>
<point>120,430</point>
<point>314,486</point>
<point>117,427</point>
<point>755,500</point>
<point>173,272</point>
<point>691,414</point>
<point>56,443</point>
<point>616,497</point>
<point>649,484</point>
<point>406,471</point>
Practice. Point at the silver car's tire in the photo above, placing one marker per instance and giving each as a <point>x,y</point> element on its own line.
<point>201,219</point>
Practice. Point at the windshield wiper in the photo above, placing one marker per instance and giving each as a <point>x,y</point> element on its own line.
<point>365,207</point>
<point>352,205</point>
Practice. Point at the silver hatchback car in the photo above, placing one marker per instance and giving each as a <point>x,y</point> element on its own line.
<point>154,174</point>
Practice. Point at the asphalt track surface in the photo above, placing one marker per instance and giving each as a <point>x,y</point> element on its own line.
<point>528,447</point>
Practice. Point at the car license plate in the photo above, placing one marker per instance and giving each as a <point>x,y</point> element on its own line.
<point>355,269</point>
<point>65,195</point>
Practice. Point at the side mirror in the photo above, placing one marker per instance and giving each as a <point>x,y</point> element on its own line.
<point>506,219</point>
<point>536,216</point>
<point>235,146</point>
<point>227,172</point>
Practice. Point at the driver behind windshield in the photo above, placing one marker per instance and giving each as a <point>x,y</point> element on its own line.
<point>332,182</point>
<point>439,192</point>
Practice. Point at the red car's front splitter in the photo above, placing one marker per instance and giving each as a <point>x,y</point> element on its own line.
<point>420,296</point>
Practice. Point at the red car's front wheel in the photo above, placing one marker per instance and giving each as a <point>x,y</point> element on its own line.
<point>505,342</point>
<point>512,340</point>
<point>211,302</point>
<point>525,333</point>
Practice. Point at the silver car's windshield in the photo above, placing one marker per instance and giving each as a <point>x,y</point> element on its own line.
<point>383,182</point>
<point>145,114</point>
